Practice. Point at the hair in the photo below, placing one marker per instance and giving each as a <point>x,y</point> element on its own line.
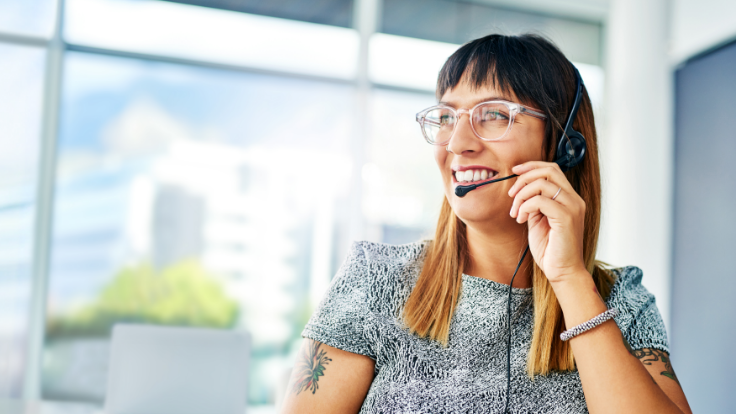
<point>537,72</point>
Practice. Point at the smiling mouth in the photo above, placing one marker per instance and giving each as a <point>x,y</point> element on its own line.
<point>475,176</point>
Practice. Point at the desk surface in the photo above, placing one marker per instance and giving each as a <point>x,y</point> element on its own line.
<point>52,407</point>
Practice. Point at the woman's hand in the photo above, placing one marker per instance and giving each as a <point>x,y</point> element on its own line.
<point>555,226</point>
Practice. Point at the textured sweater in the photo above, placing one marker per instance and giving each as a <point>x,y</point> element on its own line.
<point>361,314</point>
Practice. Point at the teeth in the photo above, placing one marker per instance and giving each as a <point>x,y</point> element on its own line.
<point>472,175</point>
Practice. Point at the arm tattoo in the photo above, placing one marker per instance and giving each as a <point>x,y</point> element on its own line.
<point>649,355</point>
<point>310,368</point>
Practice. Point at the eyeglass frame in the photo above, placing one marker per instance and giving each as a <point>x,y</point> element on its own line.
<point>514,109</point>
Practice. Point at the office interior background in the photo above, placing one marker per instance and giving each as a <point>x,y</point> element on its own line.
<point>208,162</point>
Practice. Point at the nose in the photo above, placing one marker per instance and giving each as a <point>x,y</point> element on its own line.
<point>463,138</point>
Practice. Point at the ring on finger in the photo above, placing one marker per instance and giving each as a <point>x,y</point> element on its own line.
<point>557,193</point>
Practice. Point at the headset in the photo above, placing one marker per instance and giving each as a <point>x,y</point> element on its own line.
<point>570,150</point>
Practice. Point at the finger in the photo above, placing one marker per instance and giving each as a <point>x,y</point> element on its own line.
<point>539,187</point>
<point>532,165</point>
<point>549,173</point>
<point>553,210</point>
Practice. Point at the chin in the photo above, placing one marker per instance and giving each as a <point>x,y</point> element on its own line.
<point>479,207</point>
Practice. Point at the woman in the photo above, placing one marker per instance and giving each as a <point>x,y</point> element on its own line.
<point>423,327</point>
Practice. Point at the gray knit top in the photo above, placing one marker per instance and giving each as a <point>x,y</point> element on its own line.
<point>360,314</point>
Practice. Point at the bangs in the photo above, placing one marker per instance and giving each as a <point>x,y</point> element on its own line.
<point>511,64</point>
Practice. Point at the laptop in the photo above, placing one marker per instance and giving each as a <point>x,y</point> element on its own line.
<point>173,370</point>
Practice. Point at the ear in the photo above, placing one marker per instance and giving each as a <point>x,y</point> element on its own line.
<point>571,150</point>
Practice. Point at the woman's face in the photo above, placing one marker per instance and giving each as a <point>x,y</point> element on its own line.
<point>523,143</point>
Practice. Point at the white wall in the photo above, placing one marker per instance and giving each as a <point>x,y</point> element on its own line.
<point>645,42</point>
<point>698,25</point>
<point>636,145</point>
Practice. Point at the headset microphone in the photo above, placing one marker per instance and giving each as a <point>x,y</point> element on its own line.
<point>461,190</point>
<point>570,150</point>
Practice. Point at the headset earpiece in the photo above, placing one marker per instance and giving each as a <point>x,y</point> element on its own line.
<point>571,148</point>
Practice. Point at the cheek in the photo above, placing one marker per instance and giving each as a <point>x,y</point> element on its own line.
<point>527,147</point>
<point>441,158</point>
<point>535,151</point>
<point>439,154</point>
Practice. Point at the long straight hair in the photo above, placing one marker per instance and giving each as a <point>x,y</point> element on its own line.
<point>538,73</point>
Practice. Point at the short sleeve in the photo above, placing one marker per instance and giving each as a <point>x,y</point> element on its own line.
<point>639,318</point>
<point>341,318</point>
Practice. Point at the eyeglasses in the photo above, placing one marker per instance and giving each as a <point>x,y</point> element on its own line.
<point>490,121</point>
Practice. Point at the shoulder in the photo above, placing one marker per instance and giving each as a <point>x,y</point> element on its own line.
<point>366,291</point>
<point>379,261</point>
<point>389,252</point>
<point>638,316</point>
<point>386,271</point>
<point>391,255</point>
<point>627,289</point>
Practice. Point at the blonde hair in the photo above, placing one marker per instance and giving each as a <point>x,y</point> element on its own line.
<point>431,304</point>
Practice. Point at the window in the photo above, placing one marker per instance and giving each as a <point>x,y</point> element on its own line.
<point>27,17</point>
<point>402,189</point>
<point>199,176</point>
<point>21,79</point>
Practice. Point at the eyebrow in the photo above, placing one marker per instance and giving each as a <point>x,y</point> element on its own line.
<point>489,98</point>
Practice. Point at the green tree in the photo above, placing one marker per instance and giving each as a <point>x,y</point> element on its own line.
<point>183,294</point>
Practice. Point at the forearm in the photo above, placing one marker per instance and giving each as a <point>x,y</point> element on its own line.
<point>613,380</point>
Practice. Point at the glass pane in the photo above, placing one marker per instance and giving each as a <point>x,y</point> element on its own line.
<point>222,37</point>
<point>21,84</point>
<point>459,22</point>
<point>402,184</point>
<point>331,12</point>
<point>190,196</point>
<point>33,17</point>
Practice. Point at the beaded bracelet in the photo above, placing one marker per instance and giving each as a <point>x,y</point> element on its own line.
<point>586,326</point>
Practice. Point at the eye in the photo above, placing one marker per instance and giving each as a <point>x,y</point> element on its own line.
<point>446,120</point>
<point>492,114</point>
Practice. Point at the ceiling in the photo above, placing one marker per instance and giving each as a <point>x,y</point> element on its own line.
<point>590,10</point>
<point>339,12</point>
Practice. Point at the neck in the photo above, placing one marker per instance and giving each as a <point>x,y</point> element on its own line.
<point>495,253</point>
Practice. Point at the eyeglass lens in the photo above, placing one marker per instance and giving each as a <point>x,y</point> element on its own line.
<point>490,121</point>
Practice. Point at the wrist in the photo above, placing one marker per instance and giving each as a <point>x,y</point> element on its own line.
<point>579,298</point>
<point>573,276</point>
